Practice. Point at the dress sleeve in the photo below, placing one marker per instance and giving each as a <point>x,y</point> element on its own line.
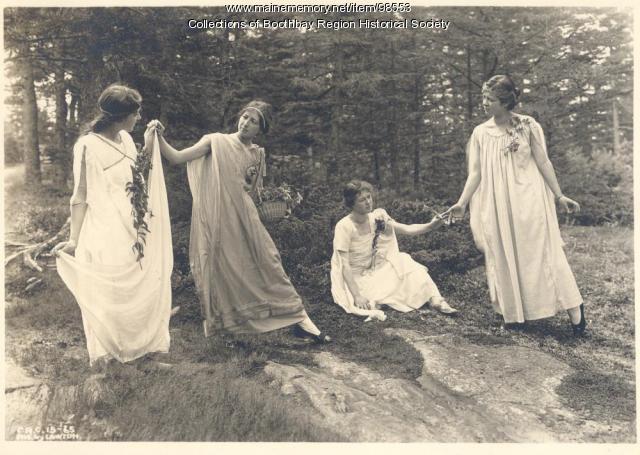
<point>342,237</point>
<point>537,143</point>
<point>472,150</point>
<point>263,163</point>
<point>79,174</point>
<point>262,172</point>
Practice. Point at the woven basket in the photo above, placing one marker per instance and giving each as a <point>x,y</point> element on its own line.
<point>272,210</point>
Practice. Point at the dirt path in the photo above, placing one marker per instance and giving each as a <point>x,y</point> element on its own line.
<point>12,175</point>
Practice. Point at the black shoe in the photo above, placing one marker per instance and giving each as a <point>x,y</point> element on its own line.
<point>580,327</point>
<point>321,338</point>
<point>515,326</point>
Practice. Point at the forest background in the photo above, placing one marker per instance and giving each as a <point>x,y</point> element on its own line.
<point>394,107</point>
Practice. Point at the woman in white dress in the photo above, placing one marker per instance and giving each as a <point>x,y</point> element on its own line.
<point>511,188</point>
<point>367,268</point>
<point>125,300</point>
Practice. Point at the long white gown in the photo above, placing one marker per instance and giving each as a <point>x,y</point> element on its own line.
<point>514,223</point>
<point>393,279</point>
<point>125,304</point>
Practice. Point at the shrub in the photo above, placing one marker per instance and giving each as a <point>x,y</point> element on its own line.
<point>12,149</point>
<point>41,223</point>
<point>602,183</point>
<point>181,277</point>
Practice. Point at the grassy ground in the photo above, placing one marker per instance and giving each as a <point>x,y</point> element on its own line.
<point>217,392</point>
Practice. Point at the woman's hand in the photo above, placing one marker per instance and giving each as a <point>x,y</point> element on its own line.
<point>68,247</point>
<point>569,205</point>
<point>154,126</point>
<point>455,213</point>
<point>361,302</point>
<point>437,221</point>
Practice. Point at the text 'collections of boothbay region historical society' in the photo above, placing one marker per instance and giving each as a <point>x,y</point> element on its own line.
<point>335,24</point>
<point>395,21</point>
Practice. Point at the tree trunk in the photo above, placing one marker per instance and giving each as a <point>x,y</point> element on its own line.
<point>31,151</point>
<point>417,128</point>
<point>73,109</point>
<point>485,65</point>
<point>91,84</point>
<point>469,92</point>
<point>336,114</point>
<point>392,126</point>
<point>616,130</point>
<point>62,160</point>
<point>376,158</point>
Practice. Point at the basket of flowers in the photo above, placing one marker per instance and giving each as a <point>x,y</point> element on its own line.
<point>277,202</point>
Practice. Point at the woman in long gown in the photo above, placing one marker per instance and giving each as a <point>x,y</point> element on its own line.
<point>368,270</point>
<point>236,267</point>
<point>125,303</point>
<point>511,187</point>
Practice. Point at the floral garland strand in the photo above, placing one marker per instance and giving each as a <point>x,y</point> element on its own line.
<point>380,227</point>
<point>138,192</point>
<point>517,126</point>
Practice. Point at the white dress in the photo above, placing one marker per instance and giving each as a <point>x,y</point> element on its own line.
<point>125,304</point>
<point>514,223</point>
<point>392,279</point>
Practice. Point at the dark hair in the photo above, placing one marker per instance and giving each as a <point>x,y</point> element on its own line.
<point>353,189</point>
<point>265,113</point>
<point>115,103</point>
<point>503,88</point>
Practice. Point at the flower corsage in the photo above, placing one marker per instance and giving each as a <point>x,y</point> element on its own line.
<point>517,125</point>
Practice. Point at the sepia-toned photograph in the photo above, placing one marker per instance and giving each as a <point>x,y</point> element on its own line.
<point>307,222</point>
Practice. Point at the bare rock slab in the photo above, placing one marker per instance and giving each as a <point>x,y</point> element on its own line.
<point>15,377</point>
<point>25,412</point>
<point>466,393</point>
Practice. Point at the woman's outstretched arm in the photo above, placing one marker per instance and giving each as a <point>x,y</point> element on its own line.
<point>473,179</point>
<point>199,149</point>
<point>457,210</point>
<point>417,229</point>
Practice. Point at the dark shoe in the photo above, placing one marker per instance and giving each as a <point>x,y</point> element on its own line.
<point>580,327</point>
<point>517,326</point>
<point>321,338</point>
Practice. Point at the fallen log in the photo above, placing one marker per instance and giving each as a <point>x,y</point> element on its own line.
<point>30,253</point>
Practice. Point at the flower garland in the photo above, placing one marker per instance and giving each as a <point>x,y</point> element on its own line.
<point>138,192</point>
<point>380,227</point>
<point>517,126</point>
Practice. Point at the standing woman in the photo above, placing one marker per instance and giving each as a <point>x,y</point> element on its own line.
<point>236,267</point>
<point>511,188</point>
<point>125,300</point>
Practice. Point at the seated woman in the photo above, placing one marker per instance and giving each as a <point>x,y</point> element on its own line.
<point>367,268</point>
